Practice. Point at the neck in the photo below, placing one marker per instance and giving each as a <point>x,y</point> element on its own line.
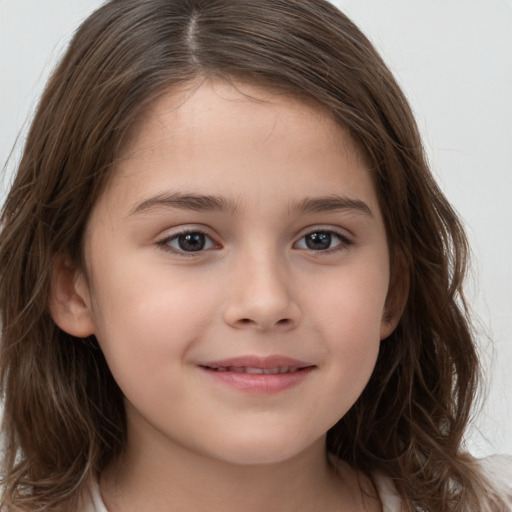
<point>160,473</point>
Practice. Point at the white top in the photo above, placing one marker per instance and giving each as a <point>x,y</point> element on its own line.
<point>498,469</point>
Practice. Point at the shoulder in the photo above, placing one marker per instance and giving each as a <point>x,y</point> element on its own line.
<point>91,498</point>
<point>497,472</point>
<point>498,466</point>
<point>388,495</point>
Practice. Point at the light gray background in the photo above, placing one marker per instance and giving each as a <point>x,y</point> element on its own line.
<point>454,60</point>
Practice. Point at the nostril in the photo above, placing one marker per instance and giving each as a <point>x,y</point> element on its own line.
<point>284,322</point>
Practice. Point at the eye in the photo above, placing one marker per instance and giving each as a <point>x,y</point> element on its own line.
<point>189,241</point>
<point>322,240</point>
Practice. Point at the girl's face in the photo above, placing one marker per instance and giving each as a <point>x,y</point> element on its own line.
<point>237,274</point>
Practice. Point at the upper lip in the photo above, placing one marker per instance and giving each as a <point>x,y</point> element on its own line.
<point>265,363</point>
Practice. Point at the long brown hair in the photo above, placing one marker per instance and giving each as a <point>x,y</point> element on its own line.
<point>64,414</point>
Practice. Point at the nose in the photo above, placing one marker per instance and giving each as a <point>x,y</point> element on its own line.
<point>261,296</point>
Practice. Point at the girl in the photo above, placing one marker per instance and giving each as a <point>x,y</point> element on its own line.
<point>228,279</point>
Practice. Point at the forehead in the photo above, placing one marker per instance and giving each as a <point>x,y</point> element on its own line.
<point>182,113</point>
<point>222,138</point>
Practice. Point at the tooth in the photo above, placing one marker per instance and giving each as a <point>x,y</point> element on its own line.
<point>254,370</point>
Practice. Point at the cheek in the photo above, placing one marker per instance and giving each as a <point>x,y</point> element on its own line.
<point>147,323</point>
<point>348,314</point>
<point>351,302</point>
<point>354,346</point>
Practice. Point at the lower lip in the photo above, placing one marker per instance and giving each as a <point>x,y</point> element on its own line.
<point>260,383</point>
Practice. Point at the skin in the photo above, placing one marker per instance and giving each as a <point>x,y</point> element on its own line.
<point>256,288</point>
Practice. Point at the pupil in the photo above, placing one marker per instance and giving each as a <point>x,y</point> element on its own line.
<point>318,241</point>
<point>191,242</point>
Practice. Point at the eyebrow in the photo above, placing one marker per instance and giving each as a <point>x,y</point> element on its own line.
<point>193,202</point>
<point>206,203</point>
<point>332,203</point>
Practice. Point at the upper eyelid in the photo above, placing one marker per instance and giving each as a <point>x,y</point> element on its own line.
<point>183,230</point>
<point>342,232</point>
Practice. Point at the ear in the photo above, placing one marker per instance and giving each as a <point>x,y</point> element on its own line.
<point>70,304</point>
<point>398,292</point>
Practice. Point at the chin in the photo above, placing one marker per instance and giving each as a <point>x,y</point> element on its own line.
<point>250,452</point>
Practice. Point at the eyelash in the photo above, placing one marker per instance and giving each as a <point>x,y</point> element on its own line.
<point>344,240</point>
<point>165,243</point>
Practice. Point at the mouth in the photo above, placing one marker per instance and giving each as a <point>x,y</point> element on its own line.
<point>256,371</point>
<point>258,375</point>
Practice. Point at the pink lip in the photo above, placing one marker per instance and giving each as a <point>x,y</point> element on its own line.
<point>242,373</point>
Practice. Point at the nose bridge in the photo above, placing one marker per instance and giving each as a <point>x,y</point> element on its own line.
<point>261,292</point>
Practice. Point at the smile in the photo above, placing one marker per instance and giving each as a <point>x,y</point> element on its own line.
<point>258,375</point>
<point>256,371</point>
